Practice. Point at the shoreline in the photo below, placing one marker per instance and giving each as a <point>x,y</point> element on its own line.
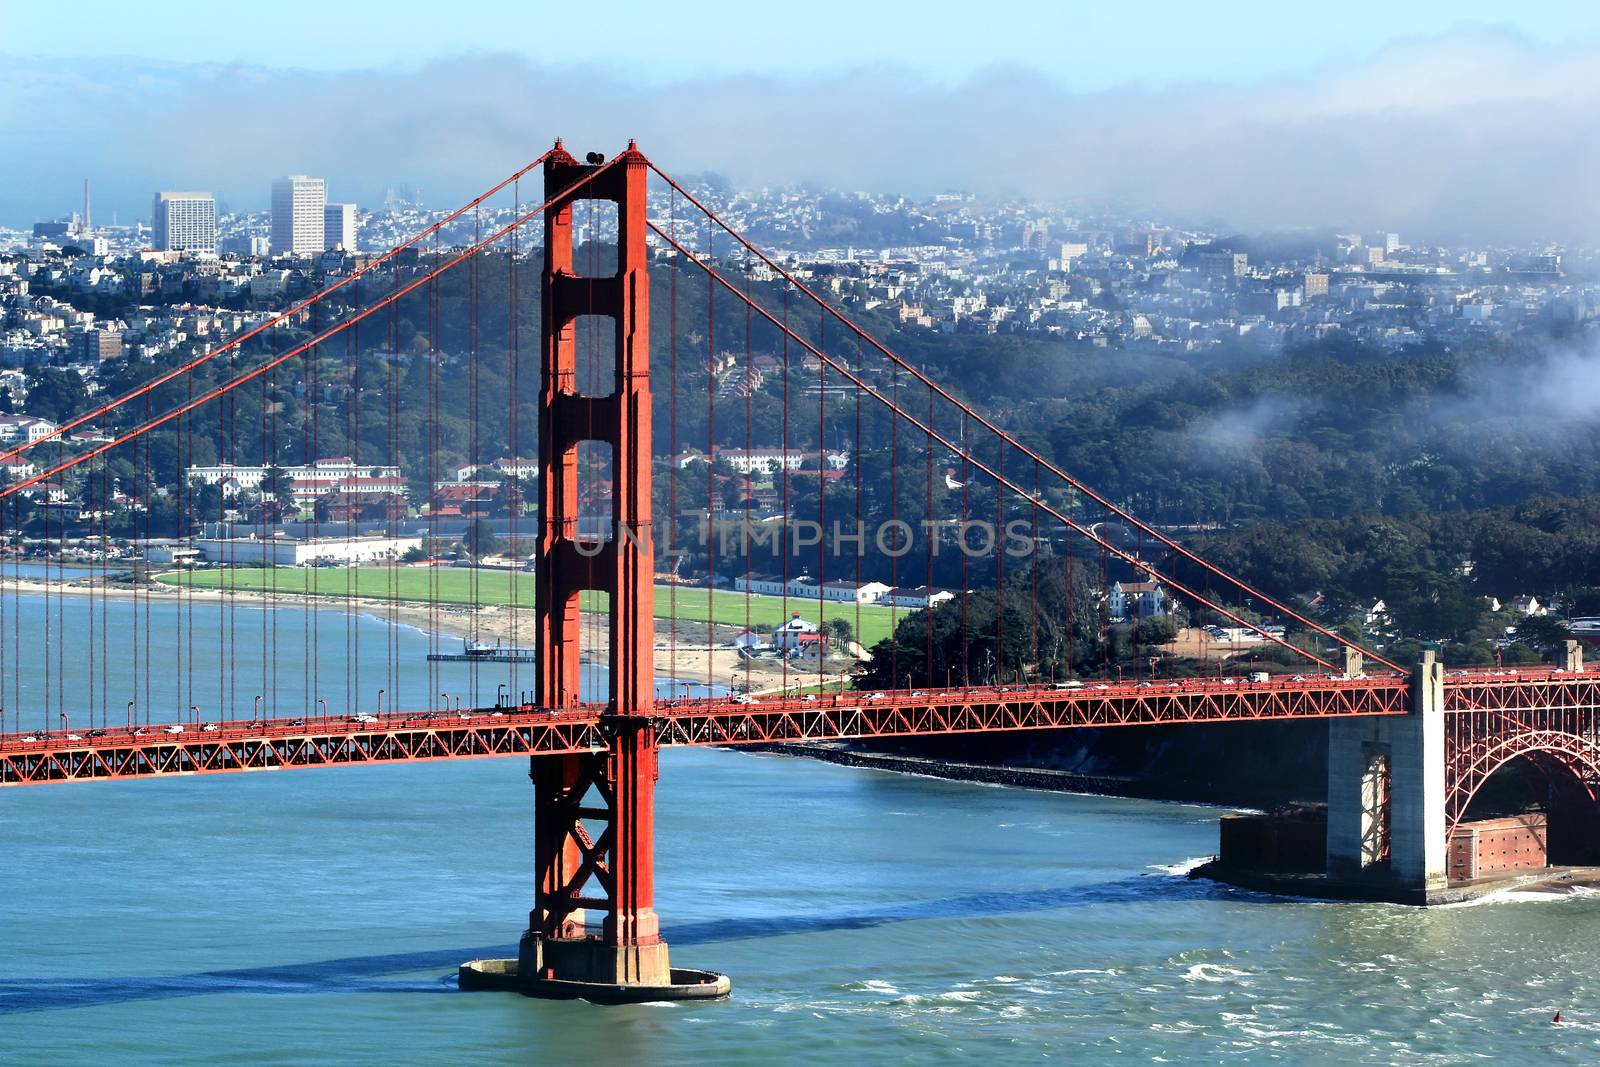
<point>1012,775</point>
<point>681,651</point>
<point>1548,883</point>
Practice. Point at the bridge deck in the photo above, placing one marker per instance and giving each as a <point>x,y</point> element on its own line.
<point>273,744</point>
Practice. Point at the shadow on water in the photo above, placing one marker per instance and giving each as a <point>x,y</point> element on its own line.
<point>363,974</point>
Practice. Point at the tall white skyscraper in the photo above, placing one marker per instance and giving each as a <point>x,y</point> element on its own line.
<point>297,220</point>
<point>339,227</point>
<point>184,222</point>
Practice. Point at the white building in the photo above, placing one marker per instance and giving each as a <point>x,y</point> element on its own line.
<point>766,460</point>
<point>803,588</point>
<point>339,227</point>
<point>298,203</point>
<point>290,552</point>
<point>748,641</point>
<point>504,467</point>
<point>844,592</point>
<point>15,428</point>
<point>761,584</point>
<point>184,222</point>
<point>1137,600</point>
<point>920,596</point>
<point>16,468</point>
<point>794,635</point>
<point>306,481</point>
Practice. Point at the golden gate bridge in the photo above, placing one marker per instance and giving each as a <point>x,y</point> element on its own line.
<point>1410,745</point>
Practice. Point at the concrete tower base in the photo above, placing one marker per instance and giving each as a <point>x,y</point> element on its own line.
<point>589,969</point>
<point>1386,797</point>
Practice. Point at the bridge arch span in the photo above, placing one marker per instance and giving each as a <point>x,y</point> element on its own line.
<point>1557,753</point>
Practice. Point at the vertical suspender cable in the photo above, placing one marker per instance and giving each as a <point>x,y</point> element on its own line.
<point>473,386</point>
<point>714,541</point>
<point>788,532</point>
<point>429,463</point>
<point>930,530</point>
<point>894,524</point>
<point>514,510</point>
<point>352,573</point>
<point>672,433</point>
<point>309,687</point>
<point>855,458</point>
<point>822,501</point>
<point>749,391</point>
<point>1033,570</point>
<point>514,391</point>
<point>997,542</point>
<point>966,582</point>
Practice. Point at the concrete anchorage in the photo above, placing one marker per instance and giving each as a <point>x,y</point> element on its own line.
<point>1386,797</point>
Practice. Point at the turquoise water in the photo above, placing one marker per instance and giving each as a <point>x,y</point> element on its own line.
<point>289,657</point>
<point>34,571</point>
<point>317,917</point>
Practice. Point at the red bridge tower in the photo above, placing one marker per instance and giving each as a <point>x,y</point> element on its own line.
<point>594,821</point>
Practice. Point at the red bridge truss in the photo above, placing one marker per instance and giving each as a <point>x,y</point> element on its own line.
<point>1550,718</point>
<point>526,731</point>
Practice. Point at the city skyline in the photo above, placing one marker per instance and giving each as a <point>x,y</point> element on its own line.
<point>1422,131</point>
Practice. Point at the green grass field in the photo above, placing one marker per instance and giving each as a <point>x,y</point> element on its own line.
<point>455,585</point>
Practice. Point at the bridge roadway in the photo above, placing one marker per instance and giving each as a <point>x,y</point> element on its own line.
<point>1550,696</point>
<point>271,744</point>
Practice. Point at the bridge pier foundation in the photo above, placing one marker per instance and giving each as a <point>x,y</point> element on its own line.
<point>594,851</point>
<point>1386,796</point>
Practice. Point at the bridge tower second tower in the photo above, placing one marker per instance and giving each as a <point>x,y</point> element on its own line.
<point>594,814</point>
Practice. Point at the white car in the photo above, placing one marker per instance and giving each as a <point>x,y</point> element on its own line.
<point>173,728</point>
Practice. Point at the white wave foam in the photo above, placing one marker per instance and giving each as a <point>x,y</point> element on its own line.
<point>1081,971</point>
<point>960,996</point>
<point>1181,868</point>
<point>1511,895</point>
<point>875,985</point>
<point>1212,972</point>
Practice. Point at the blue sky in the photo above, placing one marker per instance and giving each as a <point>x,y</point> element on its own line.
<point>1428,116</point>
<point>1082,46</point>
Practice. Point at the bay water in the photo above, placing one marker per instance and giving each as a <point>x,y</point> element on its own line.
<point>317,917</point>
